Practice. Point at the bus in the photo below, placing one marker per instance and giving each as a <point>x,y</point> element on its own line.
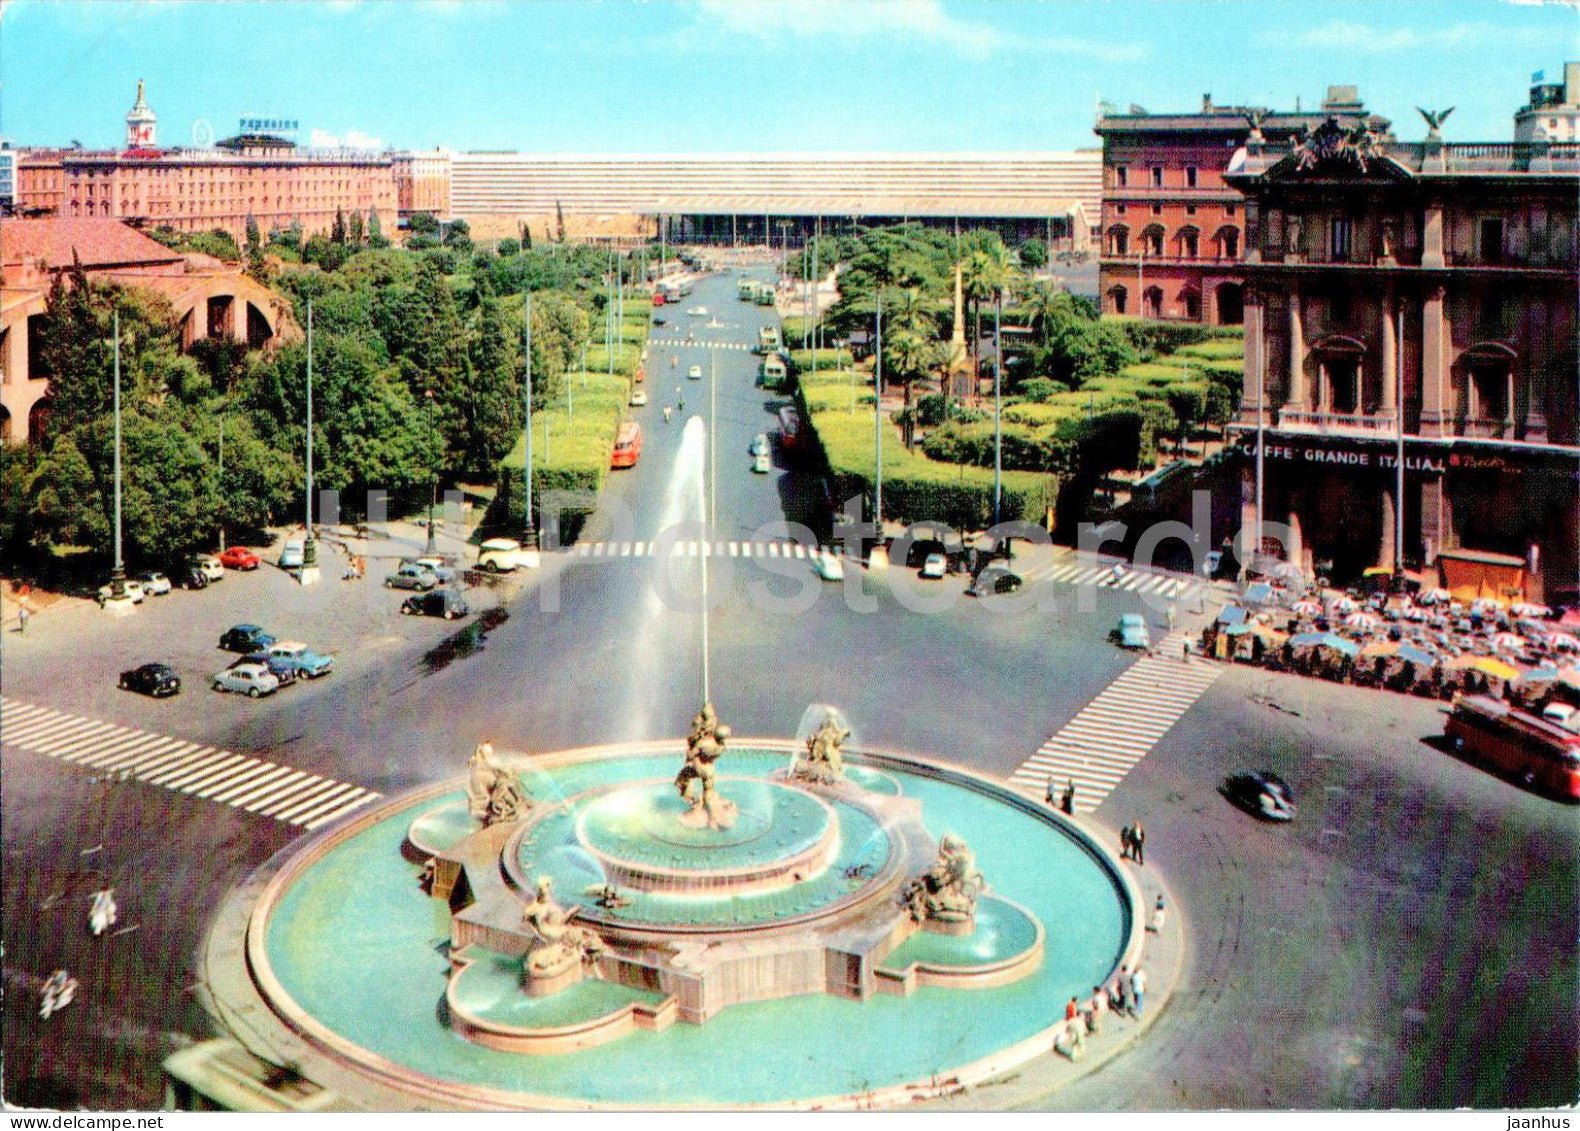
<point>791,438</point>
<point>746,289</point>
<point>765,294</point>
<point>627,445</point>
<point>1539,753</point>
<point>774,372</point>
<point>768,339</point>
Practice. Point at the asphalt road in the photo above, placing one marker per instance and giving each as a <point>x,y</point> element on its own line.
<point>1408,941</point>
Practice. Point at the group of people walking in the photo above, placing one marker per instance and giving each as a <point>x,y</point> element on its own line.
<point>1124,995</point>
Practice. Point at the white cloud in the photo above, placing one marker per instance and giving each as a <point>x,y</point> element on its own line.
<point>352,139</point>
<point>926,21</point>
<point>1365,39</point>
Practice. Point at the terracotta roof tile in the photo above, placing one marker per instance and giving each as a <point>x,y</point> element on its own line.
<point>98,243</point>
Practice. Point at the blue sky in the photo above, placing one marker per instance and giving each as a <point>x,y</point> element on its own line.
<point>649,76</point>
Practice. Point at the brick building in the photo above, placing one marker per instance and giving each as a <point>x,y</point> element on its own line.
<point>191,190</point>
<point>1418,296</point>
<point>422,183</point>
<point>1172,230</point>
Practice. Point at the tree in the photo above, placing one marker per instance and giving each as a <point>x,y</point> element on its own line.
<point>508,247</point>
<point>337,231</point>
<point>376,237</point>
<point>492,414</point>
<point>1033,253</point>
<point>985,274</point>
<point>526,235</point>
<point>559,221</point>
<point>256,269</point>
<point>424,229</point>
<point>354,229</point>
<point>458,235</point>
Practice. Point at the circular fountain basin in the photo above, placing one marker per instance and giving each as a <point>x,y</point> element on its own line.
<point>780,836</point>
<point>347,950</point>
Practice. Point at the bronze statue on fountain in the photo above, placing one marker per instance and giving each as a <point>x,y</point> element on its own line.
<point>697,780</point>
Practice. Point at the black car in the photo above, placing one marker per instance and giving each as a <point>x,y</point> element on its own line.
<point>1261,793</point>
<point>158,680</point>
<point>446,603</point>
<point>995,579</point>
<point>189,577</point>
<point>282,669</point>
<point>245,638</point>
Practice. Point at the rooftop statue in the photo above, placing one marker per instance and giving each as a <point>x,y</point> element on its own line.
<point>1434,122</point>
<point>1334,143</point>
<point>696,780</point>
<point>494,792</point>
<point>947,892</point>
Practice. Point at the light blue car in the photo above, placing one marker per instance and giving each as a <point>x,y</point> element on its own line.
<point>302,658</point>
<point>1132,632</point>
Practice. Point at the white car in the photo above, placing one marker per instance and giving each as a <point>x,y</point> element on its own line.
<point>209,566</point>
<point>134,590</point>
<point>695,373</point>
<point>291,554</point>
<point>154,583</point>
<point>500,555</point>
<point>761,464</point>
<point>254,679</point>
<point>639,398</point>
<point>829,567</point>
<point>698,311</point>
<point>934,567</point>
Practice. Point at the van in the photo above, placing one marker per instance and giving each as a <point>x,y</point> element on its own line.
<point>499,555</point>
<point>291,554</point>
<point>627,445</point>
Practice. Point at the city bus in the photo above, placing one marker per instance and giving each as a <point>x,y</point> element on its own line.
<point>627,445</point>
<point>1538,753</point>
<point>746,289</point>
<point>774,372</point>
<point>768,339</point>
<point>765,294</point>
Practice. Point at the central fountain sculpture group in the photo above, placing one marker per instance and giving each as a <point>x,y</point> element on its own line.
<point>557,952</point>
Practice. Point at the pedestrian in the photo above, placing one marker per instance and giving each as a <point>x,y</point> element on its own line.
<point>103,913</point>
<point>1138,992</point>
<point>1125,842</point>
<point>1126,989</point>
<point>1173,614</point>
<point>1047,796</point>
<point>1067,802</point>
<point>668,412</point>
<point>22,615</point>
<point>57,993</point>
<point>1159,914</point>
<point>1138,843</point>
<point>1072,1010</point>
<point>1185,657</point>
<point>1096,1006</point>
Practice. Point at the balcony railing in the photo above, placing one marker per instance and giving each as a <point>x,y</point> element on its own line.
<point>1484,428</point>
<point>1337,423</point>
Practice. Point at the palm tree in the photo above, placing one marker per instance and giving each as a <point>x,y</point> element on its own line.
<point>985,273</point>
<point>909,353</point>
<point>1047,303</point>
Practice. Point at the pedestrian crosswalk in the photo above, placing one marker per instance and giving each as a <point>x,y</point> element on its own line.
<point>1111,734</point>
<point>694,548</point>
<point>1066,567</point>
<point>252,785</point>
<point>699,343</point>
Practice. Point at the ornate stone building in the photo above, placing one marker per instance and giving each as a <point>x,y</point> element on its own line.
<point>1173,231</point>
<point>1425,292</point>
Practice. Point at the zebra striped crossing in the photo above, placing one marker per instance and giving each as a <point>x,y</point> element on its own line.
<point>1110,735</point>
<point>1068,569</point>
<point>251,785</point>
<point>697,343</point>
<point>694,548</point>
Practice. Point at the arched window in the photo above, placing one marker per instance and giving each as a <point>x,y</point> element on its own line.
<point>1231,304</point>
<point>1119,240</point>
<point>1228,240</point>
<point>1152,240</point>
<point>1152,302</point>
<point>1118,299</point>
<point>1191,298</point>
<point>1188,239</point>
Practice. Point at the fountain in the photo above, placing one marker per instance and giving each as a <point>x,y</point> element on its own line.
<point>768,892</point>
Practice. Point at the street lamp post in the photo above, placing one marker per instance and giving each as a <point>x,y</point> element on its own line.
<point>877,419</point>
<point>118,571</point>
<point>220,481</point>
<point>433,492</point>
<point>532,526</point>
<point>309,573</point>
<point>998,408</point>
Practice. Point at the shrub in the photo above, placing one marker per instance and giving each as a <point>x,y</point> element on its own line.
<point>801,360</point>
<point>1040,389</point>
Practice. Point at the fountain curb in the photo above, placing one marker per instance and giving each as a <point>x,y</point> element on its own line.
<point>369,1081</point>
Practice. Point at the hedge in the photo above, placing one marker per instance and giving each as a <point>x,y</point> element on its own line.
<point>801,360</point>
<point>1217,348</point>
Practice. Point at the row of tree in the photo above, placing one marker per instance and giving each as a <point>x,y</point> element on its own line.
<point>418,370</point>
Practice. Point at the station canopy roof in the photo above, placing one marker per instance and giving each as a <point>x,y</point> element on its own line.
<point>986,207</point>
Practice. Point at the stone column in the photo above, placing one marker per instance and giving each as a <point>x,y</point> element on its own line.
<point>1432,237</point>
<point>1296,550</point>
<point>1509,416</point>
<point>1436,412</point>
<point>1255,353</point>
<point>1390,355</point>
<point>1436,518</point>
<point>1297,354</point>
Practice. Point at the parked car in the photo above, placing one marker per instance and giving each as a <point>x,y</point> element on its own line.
<point>697,311</point>
<point>1131,632</point>
<point>760,444</point>
<point>1262,793</point>
<point>434,565</point>
<point>253,679</point>
<point>639,398</point>
<point>446,603</point>
<point>158,680</point>
<point>829,567</point>
<point>154,583</point>
<point>657,321</point>
<point>245,638</point>
<point>212,568</point>
<point>133,589</point>
<point>761,464</point>
<point>934,567</point>
<point>282,670</point>
<point>292,553</point>
<point>995,579</point>
<point>239,557</point>
<point>192,577</point>
<point>500,555</point>
<point>306,661</point>
<point>694,373</point>
<point>412,576</point>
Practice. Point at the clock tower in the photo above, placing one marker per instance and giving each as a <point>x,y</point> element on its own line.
<point>140,123</point>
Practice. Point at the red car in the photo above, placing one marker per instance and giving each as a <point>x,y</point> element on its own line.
<point>239,557</point>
